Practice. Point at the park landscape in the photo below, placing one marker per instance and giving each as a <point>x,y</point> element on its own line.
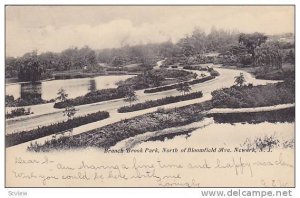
<point>155,95</point>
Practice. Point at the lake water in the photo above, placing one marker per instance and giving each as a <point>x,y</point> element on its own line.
<point>223,135</point>
<point>47,90</point>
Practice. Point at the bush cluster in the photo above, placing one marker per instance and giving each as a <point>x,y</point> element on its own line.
<point>254,96</point>
<point>213,72</point>
<point>25,136</point>
<point>18,112</point>
<point>159,102</point>
<point>155,78</point>
<point>11,102</point>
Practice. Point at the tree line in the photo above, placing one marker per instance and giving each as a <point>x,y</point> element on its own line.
<point>231,47</point>
<point>34,67</point>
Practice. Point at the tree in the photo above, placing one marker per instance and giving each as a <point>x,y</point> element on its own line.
<point>62,95</point>
<point>153,78</point>
<point>240,80</point>
<point>69,111</point>
<point>195,75</point>
<point>268,57</point>
<point>252,41</point>
<point>290,57</point>
<point>186,46</point>
<point>30,67</point>
<point>183,88</point>
<point>130,95</point>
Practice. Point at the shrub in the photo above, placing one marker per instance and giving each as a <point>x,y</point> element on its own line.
<point>199,68</point>
<point>9,100</point>
<point>25,136</point>
<point>24,102</point>
<point>213,72</point>
<point>159,102</point>
<point>18,112</point>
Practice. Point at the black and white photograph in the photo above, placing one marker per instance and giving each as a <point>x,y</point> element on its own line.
<point>166,96</point>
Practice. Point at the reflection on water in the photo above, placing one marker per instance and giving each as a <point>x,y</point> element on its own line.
<point>222,135</point>
<point>74,87</point>
<point>283,115</point>
<point>184,133</point>
<point>231,129</point>
<point>93,85</point>
<point>31,90</point>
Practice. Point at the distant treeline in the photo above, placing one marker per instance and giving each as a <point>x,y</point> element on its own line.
<point>218,46</point>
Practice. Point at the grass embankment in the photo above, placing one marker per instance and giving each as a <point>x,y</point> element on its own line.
<point>25,136</point>
<point>159,102</point>
<point>109,135</point>
<point>213,74</point>
<point>174,86</point>
<point>255,96</point>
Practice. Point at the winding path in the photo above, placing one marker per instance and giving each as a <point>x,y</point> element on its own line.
<point>50,115</point>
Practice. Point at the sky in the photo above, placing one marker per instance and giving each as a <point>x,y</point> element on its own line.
<point>55,28</point>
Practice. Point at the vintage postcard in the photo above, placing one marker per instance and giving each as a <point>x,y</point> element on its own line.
<point>149,96</point>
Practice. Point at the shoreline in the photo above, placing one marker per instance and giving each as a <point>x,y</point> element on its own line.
<point>250,109</point>
<point>144,137</point>
<point>130,142</point>
<point>52,79</point>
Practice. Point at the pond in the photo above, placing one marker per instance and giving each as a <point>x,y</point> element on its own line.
<point>222,135</point>
<point>47,90</point>
<point>222,130</point>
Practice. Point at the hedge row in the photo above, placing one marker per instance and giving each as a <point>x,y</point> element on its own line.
<point>199,68</point>
<point>18,112</point>
<point>25,136</point>
<point>92,97</point>
<point>174,86</point>
<point>159,102</point>
<point>109,135</point>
